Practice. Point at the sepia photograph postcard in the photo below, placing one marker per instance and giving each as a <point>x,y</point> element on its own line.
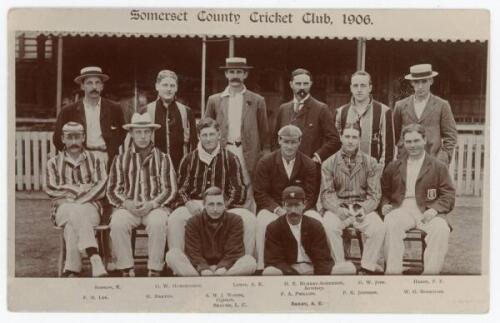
<point>248,160</point>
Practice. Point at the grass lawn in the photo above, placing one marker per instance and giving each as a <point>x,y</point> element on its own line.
<point>37,242</point>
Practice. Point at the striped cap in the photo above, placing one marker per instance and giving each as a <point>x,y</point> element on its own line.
<point>73,127</point>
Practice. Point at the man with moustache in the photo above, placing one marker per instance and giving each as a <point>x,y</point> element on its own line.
<point>214,242</point>
<point>177,136</point>
<point>206,166</point>
<point>296,244</point>
<point>284,167</point>
<point>320,139</point>
<point>242,117</point>
<point>77,200</point>
<point>428,110</point>
<point>417,192</point>
<point>374,118</point>
<point>102,119</point>
<point>141,184</point>
<point>349,195</point>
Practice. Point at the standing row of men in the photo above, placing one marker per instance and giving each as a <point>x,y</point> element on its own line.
<point>143,188</point>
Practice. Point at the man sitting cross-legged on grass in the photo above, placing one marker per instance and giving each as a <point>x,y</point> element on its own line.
<point>213,242</point>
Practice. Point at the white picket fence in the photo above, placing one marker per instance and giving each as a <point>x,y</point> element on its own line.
<point>33,149</point>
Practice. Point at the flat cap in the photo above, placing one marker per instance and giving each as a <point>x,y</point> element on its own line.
<point>290,131</point>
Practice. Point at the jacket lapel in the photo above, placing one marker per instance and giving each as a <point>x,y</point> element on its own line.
<point>426,166</point>
<point>402,170</point>
<point>278,161</point>
<point>428,107</point>
<point>358,165</point>
<point>296,166</point>
<point>410,107</point>
<point>341,164</point>
<point>247,101</point>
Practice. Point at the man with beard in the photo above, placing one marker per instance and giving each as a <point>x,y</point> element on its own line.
<point>242,117</point>
<point>349,195</point>
<point>141,183</point>
<point>282,168</point>
<point>373,117</point>
<point>296,244</point>
<point>102,119</point>
<point>214,242</point>
<point>178,135</point>
<point>76,182</point>
<point>320,138</point>
<point>428,110</point>
<point>417,193</point>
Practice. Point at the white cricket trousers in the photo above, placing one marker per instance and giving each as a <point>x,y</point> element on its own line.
<point>78,221</point>
<point>406,217</point>
<point>177,227</point>
<point>122,223</point>
<point>181,266</point>
<point>372,227</point>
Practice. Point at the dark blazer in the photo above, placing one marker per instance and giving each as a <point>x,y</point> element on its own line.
<point>222,247</point>
<point>319,134</point>
<point>111,124</point>
<point>281,246</point>
<point>271,179</point>
<point>433,189</point>
<point>438,121</point>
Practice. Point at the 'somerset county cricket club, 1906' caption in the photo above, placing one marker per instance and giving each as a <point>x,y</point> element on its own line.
<point>266,17</point>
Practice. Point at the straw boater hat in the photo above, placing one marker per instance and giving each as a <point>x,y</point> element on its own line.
<point>141,121</point>
<point>421,71</point>
<point>236,63</point>
<point>91,71</point>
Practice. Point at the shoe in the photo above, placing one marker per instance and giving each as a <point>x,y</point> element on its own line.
<point>129,272</point>
<point>154,273</point>
<point>70,274</point>
<point>364,271</point>
<point>98,269</point>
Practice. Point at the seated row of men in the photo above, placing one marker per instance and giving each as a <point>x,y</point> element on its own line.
<point>199,210</point>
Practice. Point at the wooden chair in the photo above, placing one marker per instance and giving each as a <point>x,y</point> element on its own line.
<point>412,235</point>
<point>102,236</point>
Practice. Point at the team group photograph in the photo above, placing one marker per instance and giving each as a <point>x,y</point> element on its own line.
<point>249,185</point>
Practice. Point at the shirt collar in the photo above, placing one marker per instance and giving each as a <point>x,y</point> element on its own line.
<point>88,106</point>
<point>227,93</point>
<point>80,159</point>
<point>292,226</point>
<point>301,101</point>
<point>288,163</point>
<point>422,102</point>
<point>416,161</point>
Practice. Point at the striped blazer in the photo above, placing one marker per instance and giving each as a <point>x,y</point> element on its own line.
<point>224,172</point>
<point>341,185</point>
<point>152,179</point>
<point>80,182</point>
